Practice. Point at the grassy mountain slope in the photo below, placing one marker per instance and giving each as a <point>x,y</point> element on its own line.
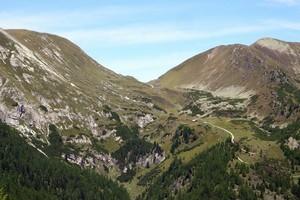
<point>71,102</point>
<point>266,71</point>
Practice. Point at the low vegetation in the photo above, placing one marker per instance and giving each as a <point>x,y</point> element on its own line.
<point>126,133</point>
<point>112,115</point>
<point>197,180</point>
<point>183,135</point>
<point>56,145</point>
<point>132,151</point>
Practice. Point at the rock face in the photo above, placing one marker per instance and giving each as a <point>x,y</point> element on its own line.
<point>292,143</point>
<point>151,159</point>
<point>79,139</point>
<point>144,120</point>
<point>94,160</point>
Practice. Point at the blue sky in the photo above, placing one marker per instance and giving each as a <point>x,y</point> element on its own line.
<point>144,39</point>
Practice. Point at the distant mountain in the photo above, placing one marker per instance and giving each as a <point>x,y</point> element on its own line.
<point>265,71</point>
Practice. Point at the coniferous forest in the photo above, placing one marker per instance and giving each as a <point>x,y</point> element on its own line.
<point>27,174</point>
<point>214,175</point>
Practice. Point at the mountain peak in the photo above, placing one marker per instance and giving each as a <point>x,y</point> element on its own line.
<point>275,44</point>
<point>268,39</point>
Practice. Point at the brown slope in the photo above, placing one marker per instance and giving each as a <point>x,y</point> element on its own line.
<point>243,71</point>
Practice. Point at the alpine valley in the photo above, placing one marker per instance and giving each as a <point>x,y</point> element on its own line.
<point>224,124</point>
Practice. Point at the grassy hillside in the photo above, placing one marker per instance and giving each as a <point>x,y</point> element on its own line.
<point>215,175</point>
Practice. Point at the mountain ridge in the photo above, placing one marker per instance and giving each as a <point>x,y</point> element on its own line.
<point>47,81</point>
<point>239,71</point>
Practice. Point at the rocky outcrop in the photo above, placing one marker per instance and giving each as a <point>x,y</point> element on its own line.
<point>143,121</point>
<point>292,143</point>
<point>91,160</point>
<point>78,139</point>
<point>153,158</point>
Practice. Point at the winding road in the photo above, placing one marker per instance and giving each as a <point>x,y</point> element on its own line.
<point>231,135</point>
<point>223,129</point>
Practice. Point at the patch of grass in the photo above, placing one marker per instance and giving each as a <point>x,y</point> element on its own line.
<point>197,94</point>
<point>75,131</point>
<point>126,133</point>
<point>148,177</point>
<point>253,99</point>
<point>132,187</point>
<point>159,108</point>
<point>263,135</point>
<point>229,113</point>
<point>114,115</point>
<point>247,137</point>
<point>258,132</point>
<point>194,109</point>
<point>10,102</point>
<point>98,146</point>
<point>235,101</point>
<point>56,146</point>
<point>125,177</point>
<point>43,108</point>
<point>110,144</point>
<point>208,140</point>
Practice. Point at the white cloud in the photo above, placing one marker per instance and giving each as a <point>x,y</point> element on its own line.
<point>167,33</point>
<point>280,24</point>
<point>64,19</point>
<point>156,33</point>
<point>95,25</point>
<point>72,19</point>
